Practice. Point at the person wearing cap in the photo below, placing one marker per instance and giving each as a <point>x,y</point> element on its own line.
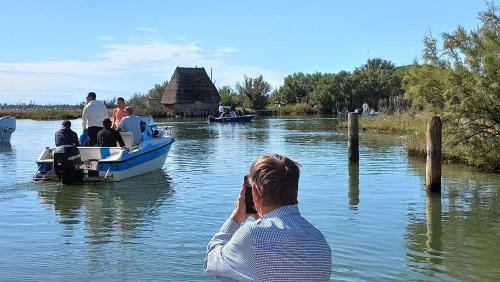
<point>94,113</point>
<point>66,136</point>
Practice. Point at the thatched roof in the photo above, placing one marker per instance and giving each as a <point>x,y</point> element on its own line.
<point>190,85</point>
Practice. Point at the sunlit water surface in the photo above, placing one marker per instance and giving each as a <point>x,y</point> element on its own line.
<point>376,216</point>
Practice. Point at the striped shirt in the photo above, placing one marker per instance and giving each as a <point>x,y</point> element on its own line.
<point>280,246</point>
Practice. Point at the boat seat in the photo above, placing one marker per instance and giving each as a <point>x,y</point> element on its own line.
<point>128,138</point>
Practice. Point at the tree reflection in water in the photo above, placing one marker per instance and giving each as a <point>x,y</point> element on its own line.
<point>433,218</point>
<point>460,232</point>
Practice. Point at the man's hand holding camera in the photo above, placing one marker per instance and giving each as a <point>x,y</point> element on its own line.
<point>239,213</point>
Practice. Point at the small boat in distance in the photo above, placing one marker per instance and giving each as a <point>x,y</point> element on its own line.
<point>245,118</point>
<point>71,164</point>
<point>7,127</point>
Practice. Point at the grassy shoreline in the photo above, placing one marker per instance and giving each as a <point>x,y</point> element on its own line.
<point>413,127</point>
<point>43,114</point>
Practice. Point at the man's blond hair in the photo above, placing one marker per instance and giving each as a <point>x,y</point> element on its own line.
<point>277,179</point>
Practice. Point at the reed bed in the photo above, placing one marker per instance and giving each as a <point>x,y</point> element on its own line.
<point>43,114</point>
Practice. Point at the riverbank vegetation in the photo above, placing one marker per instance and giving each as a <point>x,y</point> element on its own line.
<point>459,81</point>
<point>149,102</point>
<point>42,114</point>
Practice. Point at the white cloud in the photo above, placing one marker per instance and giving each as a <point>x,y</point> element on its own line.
<point>147,29</point>
<point>121,68</point>
<point>224,50</point>
<point>107,37</point>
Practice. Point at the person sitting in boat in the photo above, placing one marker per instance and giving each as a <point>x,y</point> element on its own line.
<point>232,113</point>
<point>108,137</point>
<point>221,111</point>
<point>131,123</point>
<point>66,136</point>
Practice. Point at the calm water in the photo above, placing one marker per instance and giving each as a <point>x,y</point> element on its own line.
<point>375,216</point>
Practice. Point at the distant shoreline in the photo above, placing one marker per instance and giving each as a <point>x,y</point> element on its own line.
<point>42,114</point>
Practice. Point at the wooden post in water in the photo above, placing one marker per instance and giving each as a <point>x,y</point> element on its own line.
<point>352,132</point>
<point>433,164</point>
<point>353,183</point>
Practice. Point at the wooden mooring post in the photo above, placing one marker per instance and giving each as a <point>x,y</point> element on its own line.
<point>433,163</point>
<point>353,137</point>
<point>353,183</point>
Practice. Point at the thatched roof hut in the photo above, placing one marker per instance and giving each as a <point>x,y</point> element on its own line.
<point>190,92</point>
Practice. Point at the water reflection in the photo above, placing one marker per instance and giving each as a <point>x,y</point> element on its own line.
<point>466,216</point>
<point>258,131</point>
<point>434,233</point>
<point>353,185</point>
<point>308,132</point>
<point>110,211</point>
<point>7,164</point>
<point>5,148</point>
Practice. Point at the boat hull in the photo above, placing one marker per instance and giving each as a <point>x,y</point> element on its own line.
<point>245,118</point>
<point>129,167</point>
<point>113,164</point>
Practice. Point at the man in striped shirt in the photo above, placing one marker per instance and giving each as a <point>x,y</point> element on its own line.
<point>280,245</point>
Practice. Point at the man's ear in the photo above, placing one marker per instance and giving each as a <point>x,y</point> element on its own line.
<point>255,194</point>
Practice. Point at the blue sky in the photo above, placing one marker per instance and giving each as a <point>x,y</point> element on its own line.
<point>56,51</point>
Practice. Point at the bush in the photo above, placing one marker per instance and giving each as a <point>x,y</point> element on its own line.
<point>300,108</point>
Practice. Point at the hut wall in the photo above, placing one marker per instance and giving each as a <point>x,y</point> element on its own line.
<point>196,107</point>
<point>192,109</point>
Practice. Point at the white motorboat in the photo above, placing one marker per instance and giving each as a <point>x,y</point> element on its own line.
<point>71,164</point>
<point>7,127</point>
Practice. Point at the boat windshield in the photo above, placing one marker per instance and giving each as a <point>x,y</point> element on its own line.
<point>148,119</point>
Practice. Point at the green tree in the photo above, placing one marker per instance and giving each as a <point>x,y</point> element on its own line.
<point>323,90</point>
<point>138,103</point>
<point>149,103</point>
<point>465,83</point>
<point>376,80</point>
<point>256,90</point>
<point>295,88</point>
<point>425,86</point>
<point>153,98</point>
<point>342,90</point>
<point>226,95</point>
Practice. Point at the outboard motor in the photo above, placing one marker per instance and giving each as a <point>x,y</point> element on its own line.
<point>67,164</point>
<point>7,127</point>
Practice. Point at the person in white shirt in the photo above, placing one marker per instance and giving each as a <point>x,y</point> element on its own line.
<point>232,113</point>
<point>221,111</point>
<point>131,123</point>
<point>94,113</point>
<point>365,108</point>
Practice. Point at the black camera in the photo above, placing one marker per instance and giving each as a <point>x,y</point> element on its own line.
<point>248,196</point>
